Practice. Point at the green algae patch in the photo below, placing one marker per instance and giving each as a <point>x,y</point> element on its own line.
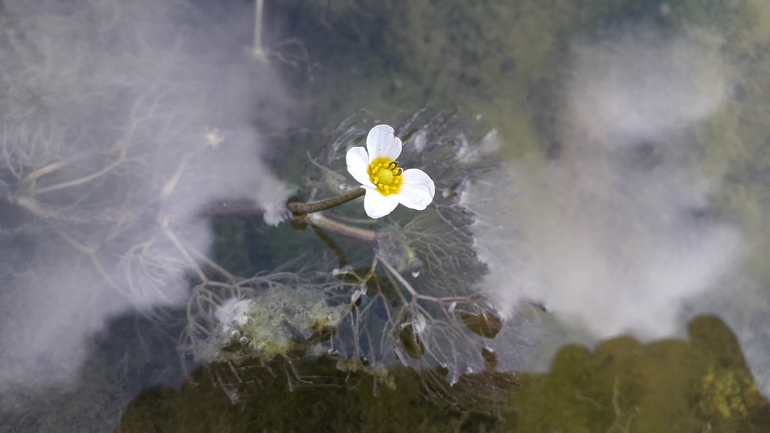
<point>276,322</point>
<point>624,386</point>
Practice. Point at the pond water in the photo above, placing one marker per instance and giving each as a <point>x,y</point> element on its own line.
<point>593,257</point>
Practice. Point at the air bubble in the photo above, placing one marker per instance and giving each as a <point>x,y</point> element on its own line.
<point>284,303</point>
<point>271,306</point>
<point>234,334</point>
<point>415,267</point>
<point>243,340</point>
<point>262,348</point>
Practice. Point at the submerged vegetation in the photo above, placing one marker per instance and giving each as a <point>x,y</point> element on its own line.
<point>414,300</point>
<point>622,386</point>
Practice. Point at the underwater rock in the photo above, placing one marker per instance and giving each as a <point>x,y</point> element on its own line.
<point>321,397</point>
<point>669,385</point>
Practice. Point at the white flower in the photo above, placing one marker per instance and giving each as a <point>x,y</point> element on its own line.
<point>385,183</point>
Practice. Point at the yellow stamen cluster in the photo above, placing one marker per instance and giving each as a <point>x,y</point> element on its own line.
<point>385,175</point>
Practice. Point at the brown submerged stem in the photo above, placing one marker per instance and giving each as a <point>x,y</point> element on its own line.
<point>331,226</point>
<point>299,208</point>
<point>301,213</point>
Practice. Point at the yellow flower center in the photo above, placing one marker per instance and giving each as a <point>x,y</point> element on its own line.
<point>385,175</point>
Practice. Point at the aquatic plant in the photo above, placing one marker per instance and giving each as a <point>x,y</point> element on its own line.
<point>415,303</point>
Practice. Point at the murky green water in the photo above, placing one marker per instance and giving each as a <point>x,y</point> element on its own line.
<point>593,259</point>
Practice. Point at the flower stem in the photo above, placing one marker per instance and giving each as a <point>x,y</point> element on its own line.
<point>299,208</point>
<point>368,237</point>
<point>257,51</point>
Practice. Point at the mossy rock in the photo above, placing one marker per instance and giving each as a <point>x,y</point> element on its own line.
<point>625,386</point>
<point>272,398</point>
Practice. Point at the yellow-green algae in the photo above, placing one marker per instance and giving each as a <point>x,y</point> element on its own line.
<point>274,323</point>
<point>728,392</point>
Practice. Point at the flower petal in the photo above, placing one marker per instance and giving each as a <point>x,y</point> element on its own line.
<point>417,189</point>
<point>378,205</point>
<point>358,160</point>
<point>382,143</point>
